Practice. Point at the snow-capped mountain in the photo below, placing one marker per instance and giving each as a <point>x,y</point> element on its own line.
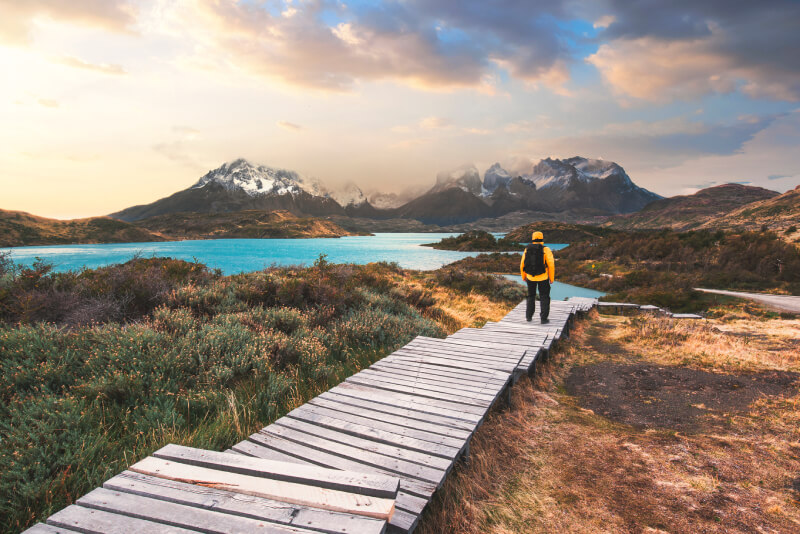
<point>240,185</point>
<point>349,195</point>
<point>466,177</point>
<point>241,175</point>
<point>494,177</point>
<point>563,173</point>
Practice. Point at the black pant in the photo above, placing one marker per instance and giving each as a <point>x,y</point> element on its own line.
<point>544,297</point>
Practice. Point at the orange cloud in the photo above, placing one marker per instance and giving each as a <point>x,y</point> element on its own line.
<point>103,68</point>
<point>18,16</point>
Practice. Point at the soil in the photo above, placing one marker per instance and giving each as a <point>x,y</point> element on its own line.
<point>652,396</point>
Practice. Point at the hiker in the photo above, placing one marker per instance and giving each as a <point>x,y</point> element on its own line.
<point>538,270</point>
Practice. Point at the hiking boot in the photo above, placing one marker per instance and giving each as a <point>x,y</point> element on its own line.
<point>545,321</point>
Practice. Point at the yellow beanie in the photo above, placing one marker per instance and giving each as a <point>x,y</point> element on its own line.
<point>537,236</point>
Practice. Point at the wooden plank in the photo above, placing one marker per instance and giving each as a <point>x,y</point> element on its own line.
<point>444,362</point>
<point>490,389</point>
<point>470,395</point>
<point>411,370</point>
<point>177,515</point>
<point>449,341</point>
<point>392,451</point>
<point>326,499</point>
<point>358,483</point>
<point>457,359</point>
<point>406,500</point>
<point>497,360</point>
<point>392,419</point>
<point>377,434</point>
<point>452,409</point>
<point>434,370</point>
<point>408,413</point>
<point>480,345</point>
<point>242,505</point>
<point>41,528</point>
<point>351,458</point>
<point>465,386</point>
<point>491,351</point>
<point>88,521</point>
<point>417,391</point>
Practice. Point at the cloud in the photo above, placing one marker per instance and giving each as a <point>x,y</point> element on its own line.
<point>289,126</point>
<point>431,44</point>
<point>18,16</point>
<point>103,68</point>
<point>777,176</point>
<point>662,51</point>
<point>49,102</point>
<point>435,123</point>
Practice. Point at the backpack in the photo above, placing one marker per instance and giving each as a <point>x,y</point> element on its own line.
<point>534,260</point>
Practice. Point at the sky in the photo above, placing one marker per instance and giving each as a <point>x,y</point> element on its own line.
<point>106,104</point>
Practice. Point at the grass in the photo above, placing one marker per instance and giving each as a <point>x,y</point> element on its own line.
<point>101,367</point>
<point>552,465</point>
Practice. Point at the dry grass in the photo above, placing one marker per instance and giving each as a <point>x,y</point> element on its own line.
<point>551,465</point>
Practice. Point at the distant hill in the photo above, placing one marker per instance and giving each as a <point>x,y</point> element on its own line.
<point>558,232</point>
<point>242,224</point>
<point>19,229</point>
<point>779,213</point>
<point>687,212</point>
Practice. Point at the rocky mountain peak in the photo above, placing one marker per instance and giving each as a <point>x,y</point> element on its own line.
<point>466,177</point>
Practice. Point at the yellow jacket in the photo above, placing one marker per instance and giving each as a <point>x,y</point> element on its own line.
<point>549,263</point>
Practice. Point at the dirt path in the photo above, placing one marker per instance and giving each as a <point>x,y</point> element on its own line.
<point>786,303</point>
<point>641,425</point>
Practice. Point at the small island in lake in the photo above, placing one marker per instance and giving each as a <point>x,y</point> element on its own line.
<point>475,241</point>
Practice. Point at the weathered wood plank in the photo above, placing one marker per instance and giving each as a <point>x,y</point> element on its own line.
<point>376,434</point>
<point>447,388</point>
<point>358,483</point>
<point>242,505</point>
<point>41,528</point>
<point>491,351</point>
<point>349,458</point>
<point>392,451</point>
<point>417,391</point>
<point>290,492</point>
<point>392,419</point>
<point>405,500</point>
<point>451,409</point>
<point>465,386</point>
<point>455,359</point>
<point>433,370</point>
<point>406,413</point>
<point>88,521</point>
<point>176,515</point>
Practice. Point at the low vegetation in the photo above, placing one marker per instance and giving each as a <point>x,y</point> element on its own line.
<point>249,224</point>
<point>23,229</point>
<point>662,268</point>
<point>101,367</point>
<point>642,424</point>
<point>559,232</point>
<point>18,229</point>
<point>475,241</point>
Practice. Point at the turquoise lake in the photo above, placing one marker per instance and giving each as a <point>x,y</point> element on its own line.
<point>242,255</point>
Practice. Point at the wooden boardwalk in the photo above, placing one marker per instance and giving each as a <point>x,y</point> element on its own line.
<point>364,457</point>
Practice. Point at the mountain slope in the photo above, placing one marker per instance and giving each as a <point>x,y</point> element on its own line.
<point>687,212</point>
<point>778,212</point>
<point>19,229</point>
<point>451,206</point>
<point>238,186</point>
<point>242,224</point>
